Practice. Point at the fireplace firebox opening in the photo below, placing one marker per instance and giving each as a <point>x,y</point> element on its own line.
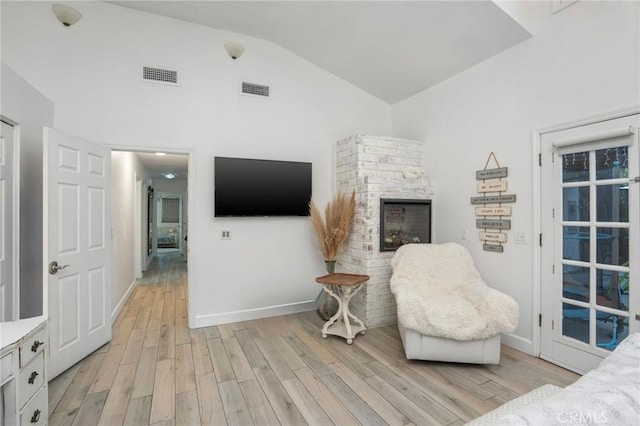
<point>403,222</point>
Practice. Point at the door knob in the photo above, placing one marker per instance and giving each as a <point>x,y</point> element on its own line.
<point>54,267</point>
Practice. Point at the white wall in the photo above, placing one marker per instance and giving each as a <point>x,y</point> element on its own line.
<point>23,104</point>
<point>582,61</point>
<point>526,13</point>
<point>91,72</point>
<point>125,168</point>
<point>176,186</point>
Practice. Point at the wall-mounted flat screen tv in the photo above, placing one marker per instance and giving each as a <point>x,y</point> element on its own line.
<point>247,187</point>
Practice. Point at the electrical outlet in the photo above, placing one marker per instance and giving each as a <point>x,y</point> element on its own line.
<point>225,235</point>
<point>464,235</point>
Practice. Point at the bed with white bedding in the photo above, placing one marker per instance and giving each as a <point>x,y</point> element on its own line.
<point>609,395</point>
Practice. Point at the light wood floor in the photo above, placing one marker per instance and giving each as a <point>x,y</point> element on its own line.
<point>271,371</point>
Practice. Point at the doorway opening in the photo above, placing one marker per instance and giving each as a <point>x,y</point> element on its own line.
<point>150,210</point>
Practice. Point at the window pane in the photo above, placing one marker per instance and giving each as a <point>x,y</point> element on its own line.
<point>575,167</point>
<point>170,210</point>
<point>575,322</point>
<point>612,203</point>
<point>612,289</point>
<point>613,246</point>
<point>610,330</point>
<point>575,243</point>
<point>575,283</point>
<point>575,203</point>
<point>611,163</point>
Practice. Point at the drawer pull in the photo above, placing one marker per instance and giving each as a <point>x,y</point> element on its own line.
<point>35,417</point>
<point>36,345</point>
<point>32,378</point>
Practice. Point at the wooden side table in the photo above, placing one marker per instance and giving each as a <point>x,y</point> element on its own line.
<point>348,285</point>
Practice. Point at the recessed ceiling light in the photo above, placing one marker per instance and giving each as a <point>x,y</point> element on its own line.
<point>161,153</point>
<point>169,175</point>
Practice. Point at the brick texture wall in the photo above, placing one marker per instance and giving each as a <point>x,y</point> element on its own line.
<point>374,167</point>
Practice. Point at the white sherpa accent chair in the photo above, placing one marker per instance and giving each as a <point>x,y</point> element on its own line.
<point>445,311</point>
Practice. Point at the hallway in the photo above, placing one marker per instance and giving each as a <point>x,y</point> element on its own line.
<point>270,371</point>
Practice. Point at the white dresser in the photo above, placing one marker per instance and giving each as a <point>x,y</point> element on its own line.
<point>23,372</point>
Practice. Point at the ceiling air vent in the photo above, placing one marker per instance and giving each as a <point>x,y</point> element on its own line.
<point>255,89</point>
<point>160,75</point>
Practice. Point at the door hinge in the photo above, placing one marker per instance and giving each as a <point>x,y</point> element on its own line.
<point>541,239</point>
<point>553,213</point>
<point>539,320</point>
<point>540,160</point>
<point>553,268</point>
<point>553,324</point>
<point>553,158</point>
<point>635,179</point>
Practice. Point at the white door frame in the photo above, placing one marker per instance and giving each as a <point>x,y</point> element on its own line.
<point>137,226</point>
<point>15,238</point>
<point>191,231</point>
<point>536,149</point>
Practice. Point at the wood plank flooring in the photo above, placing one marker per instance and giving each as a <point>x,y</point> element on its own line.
<point>270,371</point>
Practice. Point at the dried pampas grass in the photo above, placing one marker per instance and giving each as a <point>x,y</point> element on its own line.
<point>333,231</point>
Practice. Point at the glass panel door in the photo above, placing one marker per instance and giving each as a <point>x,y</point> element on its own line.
<point>590,248</point>
<point>595,246</point>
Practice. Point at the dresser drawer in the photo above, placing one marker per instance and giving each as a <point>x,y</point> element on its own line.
<point>35,412</point>
<point>32,347</point>
<point>6,367</point>
<point>31,378</point>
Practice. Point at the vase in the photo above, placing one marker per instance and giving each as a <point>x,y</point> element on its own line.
<point>326,305</point>
<point>330,265</point>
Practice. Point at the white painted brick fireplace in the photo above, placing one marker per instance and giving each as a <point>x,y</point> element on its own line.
<point>376,167</point>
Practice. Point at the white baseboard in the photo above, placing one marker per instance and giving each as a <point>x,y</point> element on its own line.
<point>519,343</point>
<point>251,314</point>
<point>122,301</point>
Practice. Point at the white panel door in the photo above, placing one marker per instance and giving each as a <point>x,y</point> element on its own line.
<point>8,230</point>
<point>591,241</point>
<point>77,236</point>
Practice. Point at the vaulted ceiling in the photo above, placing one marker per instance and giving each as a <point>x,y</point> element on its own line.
<point>391,49</point>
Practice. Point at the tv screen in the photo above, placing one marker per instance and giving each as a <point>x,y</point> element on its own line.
<point>246,187</point>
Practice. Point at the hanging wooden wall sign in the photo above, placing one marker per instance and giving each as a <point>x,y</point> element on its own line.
<point>498,248</point>
<point>494,199</point>
<point>493,223</point>
<point>494,237</point>
<point>500,172</point>
<point>493,211</point>
<point>493,185</point>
